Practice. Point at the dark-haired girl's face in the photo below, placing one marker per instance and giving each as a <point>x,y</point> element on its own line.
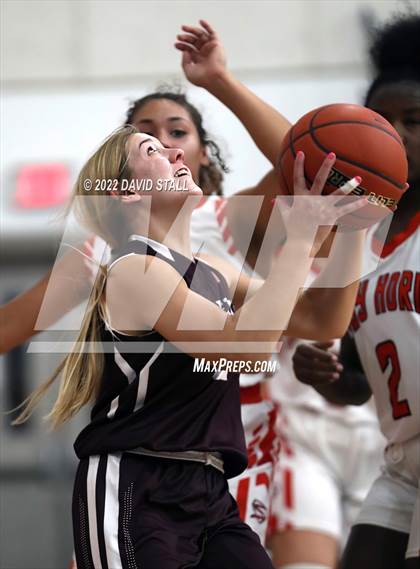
<point>173,126</point>
<point>399,103</point>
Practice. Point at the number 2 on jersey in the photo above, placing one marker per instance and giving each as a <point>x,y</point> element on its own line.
<point>386,352</point>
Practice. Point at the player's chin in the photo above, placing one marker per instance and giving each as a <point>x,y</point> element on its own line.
<point>189,194</point>
<point>195,190</point>
<point>191,188</point>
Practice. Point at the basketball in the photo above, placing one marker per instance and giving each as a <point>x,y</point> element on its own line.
<point>365,145</point>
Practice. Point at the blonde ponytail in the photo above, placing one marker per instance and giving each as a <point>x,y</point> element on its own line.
<point>81,370</point>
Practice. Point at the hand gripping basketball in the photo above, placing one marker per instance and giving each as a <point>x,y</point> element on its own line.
<point>310,208</point>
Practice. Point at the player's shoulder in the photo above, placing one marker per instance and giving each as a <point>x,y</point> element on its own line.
<point>142,274</point>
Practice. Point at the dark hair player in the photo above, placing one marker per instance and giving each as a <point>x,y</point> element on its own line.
<point>382,342</point>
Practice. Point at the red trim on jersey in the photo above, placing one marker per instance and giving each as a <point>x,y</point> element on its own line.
<point>251,394</point>
<point>284,445</point>
<point>288,526</point>
<point>226,234</point>
<point>288,489</point>
<point>220,201</point>
<point>201,202</point>
<point>273,524</point>
<point>397,240</point>
<point>263,480</point>
<point>220,207</point>
<point>220,216</point>
<point>242,497</point>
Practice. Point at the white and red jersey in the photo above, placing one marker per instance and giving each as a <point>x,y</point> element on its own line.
<point>286,390</point>
<point>386,329</point>
<point>210,234</point>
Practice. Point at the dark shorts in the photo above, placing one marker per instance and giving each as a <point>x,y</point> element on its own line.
<point>132,511</point>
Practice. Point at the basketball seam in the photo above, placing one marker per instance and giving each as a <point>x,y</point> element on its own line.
<point>332,123</point>
<point>353,162</point>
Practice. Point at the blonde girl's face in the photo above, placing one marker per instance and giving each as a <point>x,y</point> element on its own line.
<point>156,169</point>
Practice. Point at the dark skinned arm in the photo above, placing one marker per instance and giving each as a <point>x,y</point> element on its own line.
<point>340,379</point>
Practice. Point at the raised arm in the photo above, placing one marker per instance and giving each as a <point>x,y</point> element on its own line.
<point>204,65</point>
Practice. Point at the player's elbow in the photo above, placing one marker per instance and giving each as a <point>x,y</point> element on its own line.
<point>360,399</point>
<point>353,388</point>
<point>337,331</point>
<point>360,391</point>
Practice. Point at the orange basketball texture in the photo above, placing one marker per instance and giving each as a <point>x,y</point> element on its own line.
<point>365,144</point>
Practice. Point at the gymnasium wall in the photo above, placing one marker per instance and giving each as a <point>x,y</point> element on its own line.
<point>70,67</point>
<point>76,41</point>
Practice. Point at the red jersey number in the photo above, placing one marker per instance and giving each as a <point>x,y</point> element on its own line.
<point>386,352</point>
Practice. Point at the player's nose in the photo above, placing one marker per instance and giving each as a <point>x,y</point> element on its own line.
<point>175,154</point>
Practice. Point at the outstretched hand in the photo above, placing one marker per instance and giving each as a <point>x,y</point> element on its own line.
<point>203,56</point>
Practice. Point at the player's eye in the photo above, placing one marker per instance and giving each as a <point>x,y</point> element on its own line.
<point>151,150</point>
<point>178,133</point>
